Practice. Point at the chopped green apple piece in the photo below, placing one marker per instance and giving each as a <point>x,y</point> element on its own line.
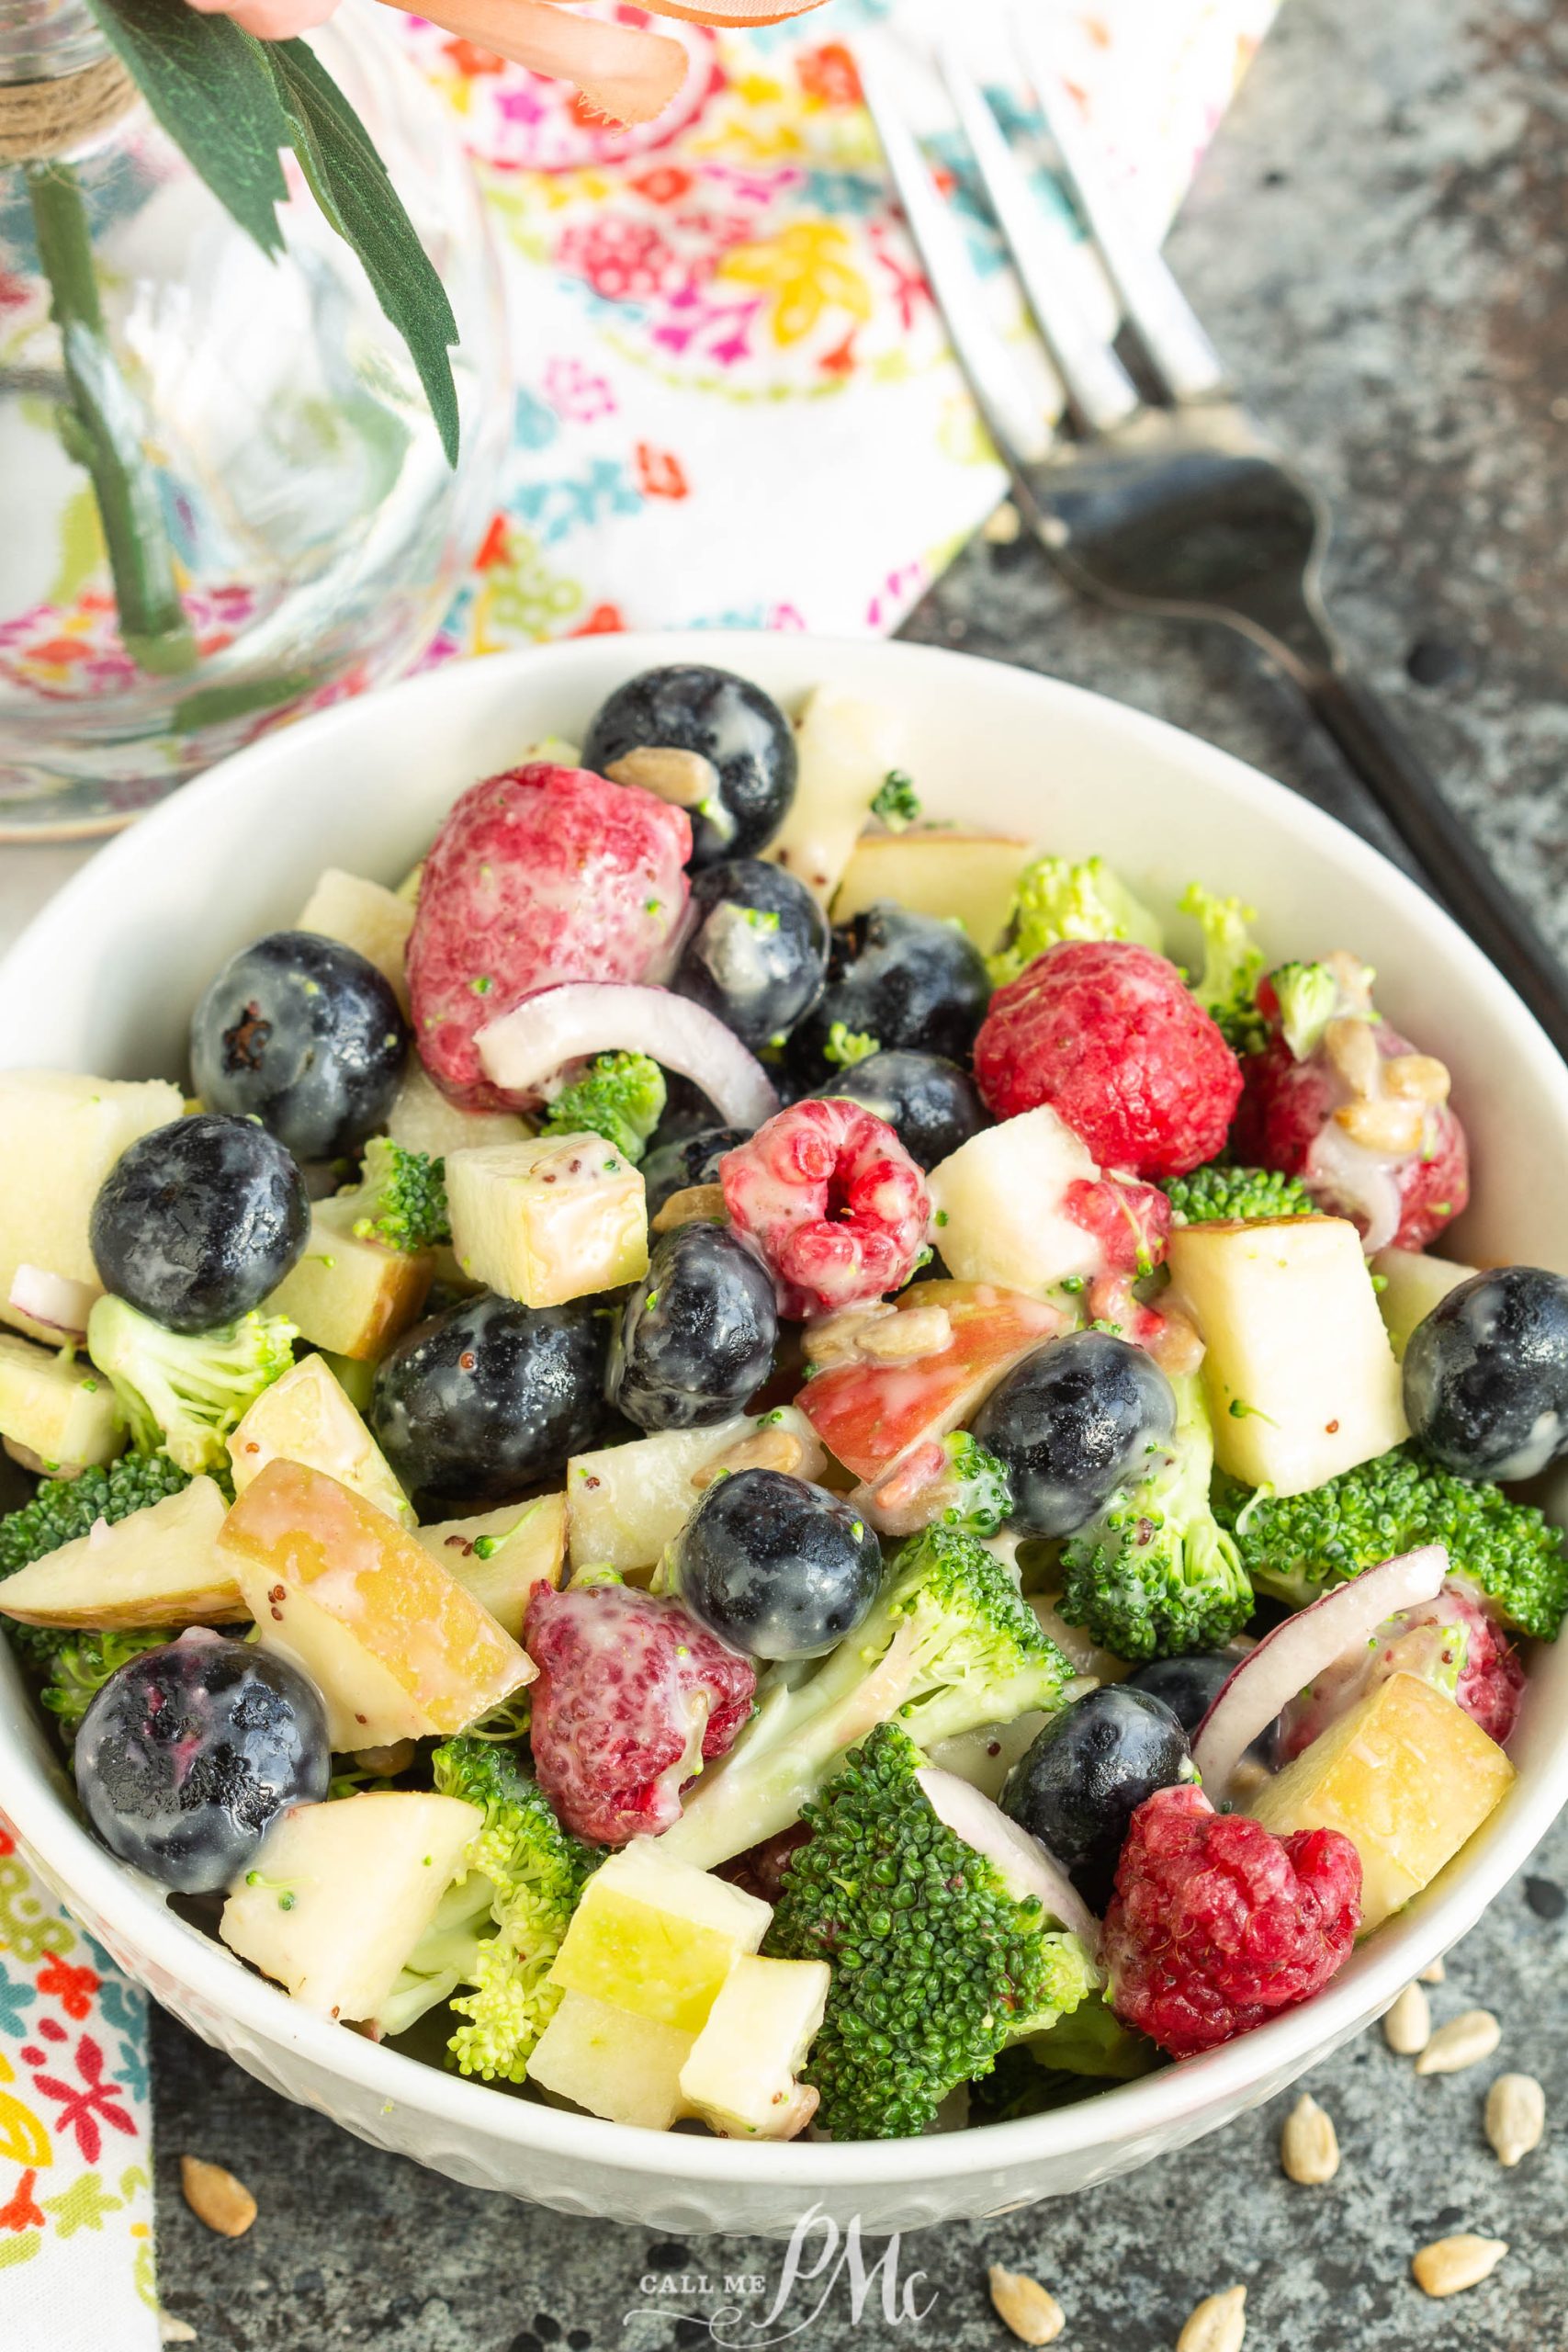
<point>422,1119</point>
<point>998,1206</point>
<point>1412,1284</point>
<point>1300,1379</point>
<point>341,1893</point>
<point>305,1417</point>
<point>740,2076</point>
<point>351,1296</point>
<point>936,870</point>
<point>658,1938</point>
<point>623,2067</point>
<point>550,1219</point>
<point>60,1134</point>
<point>397,1647</point>
<point>501,1555</point>
<point>60,1409</point>
<point>846,748</point>
<point>156,1566</point>
<point>625,1503</point>
<point>364,915</point>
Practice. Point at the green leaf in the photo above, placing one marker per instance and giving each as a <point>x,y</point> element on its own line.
<point>351,183</point>
<point>206,83</point>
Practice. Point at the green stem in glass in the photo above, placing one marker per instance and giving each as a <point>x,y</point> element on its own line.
<point>100,425</point>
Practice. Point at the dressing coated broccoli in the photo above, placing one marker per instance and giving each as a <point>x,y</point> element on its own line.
<point>1214,1194</point>
<point>400,1200</point>
<point>1056,898</point>
<point>186,1391</point>
<point>620,1096</point>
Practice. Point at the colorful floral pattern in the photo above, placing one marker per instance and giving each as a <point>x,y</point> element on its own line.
<point>75,2193</point>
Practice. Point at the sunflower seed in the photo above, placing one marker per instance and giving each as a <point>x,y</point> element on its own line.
<point>1463,2042</point>
<point>769,1449</point>
<point>1388,1124</point>
<point>1450,2264</point>
<point>1435,1974</point>
<point>1022,2304</point>
<point>1407,2027</point>
<point>1353,1051</point>
<point>1420,1078</point>
<point>216,2197</point>
<point>1217,2325</point>
<point>686,778</point>
<point>1309,2146</point>
<point>693,1204</point>
<point>174,2331</point>
<point>1515,2116</point>
<point>921,1331</point>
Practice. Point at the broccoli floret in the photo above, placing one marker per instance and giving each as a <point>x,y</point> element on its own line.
<point>63,1508</point>
<point>186,1391</point>
<point>936,1964</point>
<point>400,1200</point>
<point>896,801</point>
<point>846,1046</point>
<point>949,1643</point>
<point>1232,962</point>
<point>1295,1546</point>
<point>1214,1193</point>
<point>975,1496</point>
<point>620,1096</point>
<point>1056,898</point>
<point>83,1663</point>
<point>1092,2040</point>
<point>533,1871</point>
<point>1156,1575</point>
<point>1308,997</point>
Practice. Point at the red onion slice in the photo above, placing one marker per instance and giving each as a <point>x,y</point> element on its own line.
<point>1300,1649</point>
<point>580,1017</point>
<point>1024,1864</point>
<point>56,1301</point>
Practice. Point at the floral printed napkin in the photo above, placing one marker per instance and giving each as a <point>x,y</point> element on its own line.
<point>734,408</point>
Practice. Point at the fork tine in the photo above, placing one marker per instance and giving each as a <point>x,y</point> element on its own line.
<point>1019,427</point>
<point>1048,257</point>
<point>1167,327</point>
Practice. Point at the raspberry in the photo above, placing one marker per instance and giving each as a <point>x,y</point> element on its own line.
<point>1130,1222</point>
<point>1492,1680</point>
<point>540,875</point>
<point>1286,1121</point>
<point>1106,1034</point>
<point>833,1201</point>
<point>1216,1924</point>
<point>633,1698</point>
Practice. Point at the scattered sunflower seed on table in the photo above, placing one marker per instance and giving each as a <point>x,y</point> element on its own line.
<point>1407,2027</point>
<point>1024,2305</point>
<point>1463,2042</point>
<point>1217,2324</point>
<point>1448,2266</point>
<point>1309,2146</point>
<point>1515,2117</point>
<point>216,2197</point>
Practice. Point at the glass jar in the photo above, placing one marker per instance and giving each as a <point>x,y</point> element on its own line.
<point>284,525</point>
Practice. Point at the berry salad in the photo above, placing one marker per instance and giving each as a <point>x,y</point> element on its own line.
<point>745,1462</point>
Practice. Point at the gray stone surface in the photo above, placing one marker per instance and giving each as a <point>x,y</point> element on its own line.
<point>1377,243</point>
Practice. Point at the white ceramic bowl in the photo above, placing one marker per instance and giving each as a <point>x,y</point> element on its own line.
<point>104,980</point>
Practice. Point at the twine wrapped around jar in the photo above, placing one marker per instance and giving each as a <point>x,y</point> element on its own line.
<point>42,119</point>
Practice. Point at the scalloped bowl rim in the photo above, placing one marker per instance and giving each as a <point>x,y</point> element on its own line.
<point>1152,2114</point>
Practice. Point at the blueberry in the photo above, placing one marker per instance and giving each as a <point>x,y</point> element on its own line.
<point>1486,1374</point>
<point>775,1566</point>
<point>729,722</point>
<point>487,1399</point>
<point>931,1104</point>
<point>907,980</point>
<point>1189,1686</point>
<point>304,1034</point>
<point>756,951</point>
<point>1071,1423</point>
<point>1082,1777</point>
<point>691,1159</point>
<point>698,1335</point>
<point>189,1753</point>
<point>198,1222</point>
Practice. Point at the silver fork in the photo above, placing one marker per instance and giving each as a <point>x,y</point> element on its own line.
<point>1180,507</point>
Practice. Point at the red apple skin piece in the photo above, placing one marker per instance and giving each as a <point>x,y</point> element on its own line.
<point>868,1414</point>
<point>296,1533</point>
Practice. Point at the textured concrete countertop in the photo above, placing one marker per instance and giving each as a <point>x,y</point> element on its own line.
<point>1377,244</point>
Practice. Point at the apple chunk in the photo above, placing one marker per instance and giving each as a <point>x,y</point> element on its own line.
<point>501,1555</point>
<point>555,1218</point>
<point>306,1417</point>
<point>351,1296</point>
<point>868,1414</point>
<point>625,1503</point>
<point>362,915</point>
<point>1407,1776</point>
<point>341,1893</point>
<point>935,870</point>
<point>740,2076</point>
<point>1301,1378</point>
<point>61,1411</point>
<point>157,1566</point>
<point>656,1936</point>
<point>397,1647</point>
<point>604,2059</point>
<point>60,1134</point>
